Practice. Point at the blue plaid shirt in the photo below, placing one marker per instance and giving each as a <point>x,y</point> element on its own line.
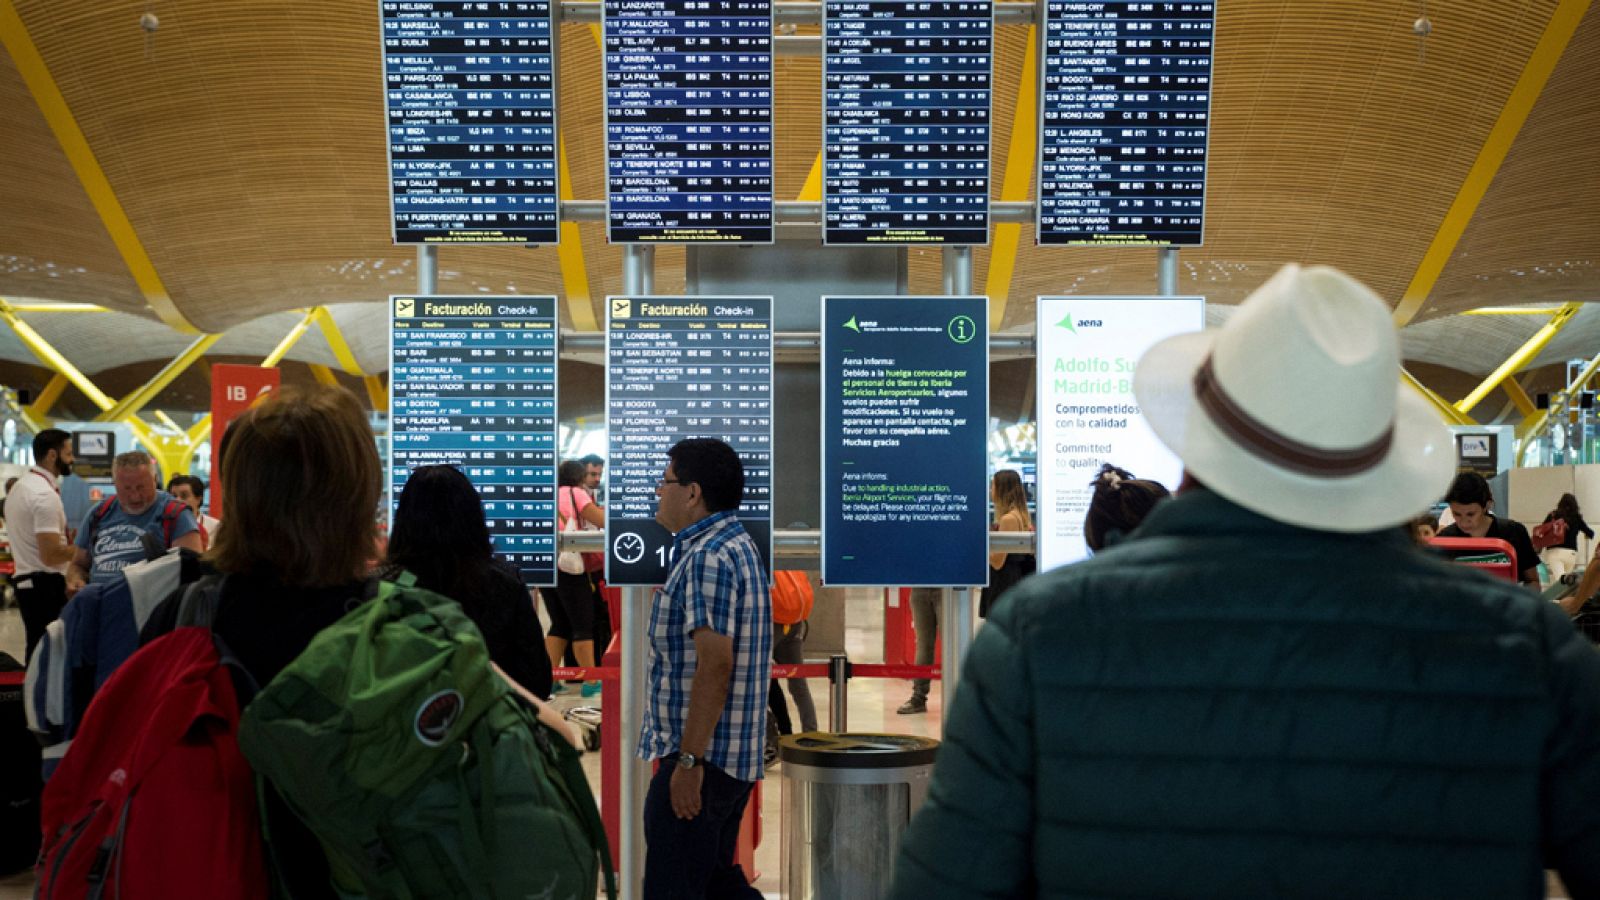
<point>717,582</point>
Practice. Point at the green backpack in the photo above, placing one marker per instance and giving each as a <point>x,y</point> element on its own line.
<point>418,768</point>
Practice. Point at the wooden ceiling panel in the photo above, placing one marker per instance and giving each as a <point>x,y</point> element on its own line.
<point>1536,236</point>
<point>246,141</point>
<point>51,243</point>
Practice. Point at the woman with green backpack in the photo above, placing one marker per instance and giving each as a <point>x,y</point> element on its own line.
<point>302,479</point>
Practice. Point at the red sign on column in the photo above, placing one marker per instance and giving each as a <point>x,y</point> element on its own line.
<point>234,389</point>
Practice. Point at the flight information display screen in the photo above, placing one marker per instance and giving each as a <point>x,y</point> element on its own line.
<point>470,91</point>
<point>1124,119</point>
<point>682,367</point>
<point>688,121</point>
<point>473,385</point>
<point>906,103</point>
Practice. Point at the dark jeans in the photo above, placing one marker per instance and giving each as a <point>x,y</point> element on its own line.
<point>40,597</point>
<point>693,859</point>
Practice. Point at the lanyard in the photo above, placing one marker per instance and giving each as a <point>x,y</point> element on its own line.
<point>48,481</point>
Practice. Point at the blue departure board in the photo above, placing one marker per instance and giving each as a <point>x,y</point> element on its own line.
<point>473,385</point>
<point>682,367</point>
<point>905,438</point>
<point>1125,116</point>
<point>906,102</point>
<point>688,121</point>
<point>470,90</point>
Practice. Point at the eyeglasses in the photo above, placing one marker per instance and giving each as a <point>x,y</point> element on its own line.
<point>663,482</point>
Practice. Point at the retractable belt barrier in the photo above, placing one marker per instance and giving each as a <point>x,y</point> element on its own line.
<point>809,670</point>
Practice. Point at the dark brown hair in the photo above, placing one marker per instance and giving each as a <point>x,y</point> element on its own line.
<point>1119,504</point>
<point>302,480</point>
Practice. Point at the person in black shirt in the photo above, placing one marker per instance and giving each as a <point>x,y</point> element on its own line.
<point>440,536</point>
<point>1563,557</point>
<point>1470,499</point>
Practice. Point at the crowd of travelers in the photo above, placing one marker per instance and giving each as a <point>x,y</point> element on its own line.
<point>1259,685</point>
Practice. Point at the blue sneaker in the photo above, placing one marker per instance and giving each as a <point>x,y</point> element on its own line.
<point>590,689</point>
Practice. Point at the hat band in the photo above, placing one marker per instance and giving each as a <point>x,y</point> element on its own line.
<point>1266,444</point>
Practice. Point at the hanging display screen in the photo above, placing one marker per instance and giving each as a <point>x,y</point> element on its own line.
<point>470,92</point>
<point>682,367</point>
<point>906,112</point>
<point>1124,122</point>
<point>473,385</point>
<point>688,121</point>
<point>905,436</point>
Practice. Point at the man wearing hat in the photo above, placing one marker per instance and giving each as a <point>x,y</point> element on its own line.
<point>1268,690</point>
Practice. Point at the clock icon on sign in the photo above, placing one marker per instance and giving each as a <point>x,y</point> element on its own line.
<point>628,547</point>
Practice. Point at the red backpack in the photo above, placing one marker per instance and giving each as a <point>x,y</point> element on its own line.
<point>154,799</point>
<point>1549,534</point>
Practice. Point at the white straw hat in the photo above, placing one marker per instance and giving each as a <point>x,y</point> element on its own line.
<point>1295,409</point>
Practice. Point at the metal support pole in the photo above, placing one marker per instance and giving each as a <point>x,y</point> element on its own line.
<point>838,693</point>
<point>634,772</point>
<point>957,271</point>
<point>638,269</point>
<point>957,615</point>
<point>427,269</point>
<point>1167,272</point>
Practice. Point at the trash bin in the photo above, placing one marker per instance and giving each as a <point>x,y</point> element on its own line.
<point>847,799</point>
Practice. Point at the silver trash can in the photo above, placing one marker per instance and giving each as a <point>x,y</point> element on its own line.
<point>847,799</point>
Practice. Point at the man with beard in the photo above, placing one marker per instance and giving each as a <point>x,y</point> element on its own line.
<point>112,535</point>
<point>37,524</point>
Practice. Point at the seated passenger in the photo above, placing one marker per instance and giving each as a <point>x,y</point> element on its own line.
<point>1271,692</point>
<point>440,536</point>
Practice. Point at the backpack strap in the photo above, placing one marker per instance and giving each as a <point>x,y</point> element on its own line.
<point>169,520</point>
<point>99,514</point>
<point>198,606</point>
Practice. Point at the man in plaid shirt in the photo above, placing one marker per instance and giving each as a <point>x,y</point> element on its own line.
<point>710,665</point>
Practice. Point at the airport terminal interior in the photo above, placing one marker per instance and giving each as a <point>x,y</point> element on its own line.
<point>597,215</point>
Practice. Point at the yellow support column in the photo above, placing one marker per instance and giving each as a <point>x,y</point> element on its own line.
<point>377,392</point>
<point>1518,360</point>
<point>336,342</point>
<point>52,357</point>
<point>323,375</point>
<point>146,393</point>
<point>290,339</point>
<point>1448,413</point>
<point>48,397</point>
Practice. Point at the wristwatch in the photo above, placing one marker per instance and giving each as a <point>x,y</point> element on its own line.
<point>687,760</point>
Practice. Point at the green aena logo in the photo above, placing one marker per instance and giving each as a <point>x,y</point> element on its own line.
<point>1072,325</point>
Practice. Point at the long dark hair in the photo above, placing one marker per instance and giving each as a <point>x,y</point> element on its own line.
<point>440,534</point>
<point>1119,504</point>
<point>1567,507</point>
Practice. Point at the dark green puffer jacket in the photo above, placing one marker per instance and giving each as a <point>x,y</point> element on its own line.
<point>1226,706</point>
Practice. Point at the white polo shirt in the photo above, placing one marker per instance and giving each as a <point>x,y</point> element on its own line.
<point>32,507</point>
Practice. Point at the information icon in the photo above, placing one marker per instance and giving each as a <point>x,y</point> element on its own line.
<point>962,329</point>
<point>628,547</point>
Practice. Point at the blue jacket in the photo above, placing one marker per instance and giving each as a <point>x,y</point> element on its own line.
<point>1227,706</point>
<point>97,631</point>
